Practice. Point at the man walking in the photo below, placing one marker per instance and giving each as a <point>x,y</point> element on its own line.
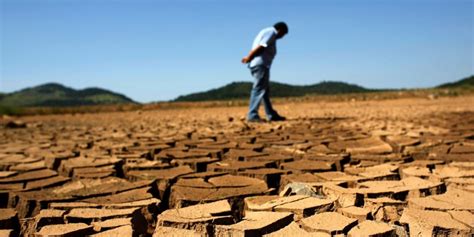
<point>260,59</point>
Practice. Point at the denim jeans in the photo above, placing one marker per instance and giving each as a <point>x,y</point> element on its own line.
<point>260,92</point>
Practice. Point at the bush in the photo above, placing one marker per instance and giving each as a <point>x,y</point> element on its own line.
<point>9,110</point>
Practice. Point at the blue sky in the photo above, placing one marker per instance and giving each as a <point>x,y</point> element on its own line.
<point>158,50</point>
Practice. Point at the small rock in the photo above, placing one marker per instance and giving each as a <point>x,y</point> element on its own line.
<point>16,124</point>
<point>432,96</point>
<point>299,189</point>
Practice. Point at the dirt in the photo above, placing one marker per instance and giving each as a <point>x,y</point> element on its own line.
<point>329,222</point>
<point>370,167</point>
<point>372,228</point>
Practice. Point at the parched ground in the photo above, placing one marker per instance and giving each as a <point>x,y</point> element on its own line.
<point>402,167</point>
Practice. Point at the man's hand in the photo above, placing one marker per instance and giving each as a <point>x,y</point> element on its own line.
<point>246,59</point>
<point>252,54</point>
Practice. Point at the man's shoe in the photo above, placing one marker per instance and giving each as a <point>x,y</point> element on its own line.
<point>255,120</point>
<point>277,118</point>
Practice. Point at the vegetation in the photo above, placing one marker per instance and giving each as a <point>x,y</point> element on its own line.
<point>57,95</point>
<point>240,90</point>
<point>463,83</point>
<point>10,110</point>
<point>57,99</point>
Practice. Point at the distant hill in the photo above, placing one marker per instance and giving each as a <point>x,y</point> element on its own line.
<point>239,90</point>
<point>465,82</point>
<point>54,95</point>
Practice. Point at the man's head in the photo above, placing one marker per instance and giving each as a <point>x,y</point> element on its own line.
<point>281,28</point>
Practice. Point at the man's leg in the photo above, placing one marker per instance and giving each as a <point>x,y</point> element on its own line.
<point>269,111</point>
<point>258,91</point>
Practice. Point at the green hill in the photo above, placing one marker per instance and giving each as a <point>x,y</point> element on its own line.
<point>55,95</point>
<point>465,82</point>
<point>239,90</point>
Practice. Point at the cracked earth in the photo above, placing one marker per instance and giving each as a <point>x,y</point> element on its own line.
<point>401,167</point>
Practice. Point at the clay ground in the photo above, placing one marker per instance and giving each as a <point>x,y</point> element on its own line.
<point>360,168</point>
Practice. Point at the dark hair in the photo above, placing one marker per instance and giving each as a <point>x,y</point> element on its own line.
<point>281,27</point>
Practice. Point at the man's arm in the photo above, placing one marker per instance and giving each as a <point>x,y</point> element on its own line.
<point>255,52</point>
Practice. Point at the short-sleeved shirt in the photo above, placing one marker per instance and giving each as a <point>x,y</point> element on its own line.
<point>267,39</point>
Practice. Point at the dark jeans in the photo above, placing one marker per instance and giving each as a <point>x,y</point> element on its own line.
<point>260,92</point>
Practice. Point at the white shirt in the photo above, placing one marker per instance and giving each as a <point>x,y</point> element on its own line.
<point>267,39</point>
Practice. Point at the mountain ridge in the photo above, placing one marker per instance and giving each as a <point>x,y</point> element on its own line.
<point>239,90</point>
<point>55,95</point>
<point>465,82</point>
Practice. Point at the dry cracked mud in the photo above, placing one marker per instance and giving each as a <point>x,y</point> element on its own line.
<point>401,167</point>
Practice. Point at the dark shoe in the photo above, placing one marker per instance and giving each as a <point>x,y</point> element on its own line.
<point>255,120</point>
<point>277,118</point>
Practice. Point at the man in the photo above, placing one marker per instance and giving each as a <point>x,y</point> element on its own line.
<point>260,60</point>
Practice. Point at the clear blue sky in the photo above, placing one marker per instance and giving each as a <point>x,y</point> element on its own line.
<point>158,50</point>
